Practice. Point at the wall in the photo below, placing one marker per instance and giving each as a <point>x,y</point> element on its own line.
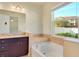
<point>33,22</point>
<point>47,8</point>
<point>33,16</point>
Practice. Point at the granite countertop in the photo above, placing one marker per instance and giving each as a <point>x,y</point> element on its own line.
<point>2,36</point>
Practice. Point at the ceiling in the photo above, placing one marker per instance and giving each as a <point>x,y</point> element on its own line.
<point>29,3</point>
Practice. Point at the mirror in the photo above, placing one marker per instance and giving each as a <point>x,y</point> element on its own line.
<point>11,22</point>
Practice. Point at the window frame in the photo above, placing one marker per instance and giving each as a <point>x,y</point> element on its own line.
<point>58,7</point>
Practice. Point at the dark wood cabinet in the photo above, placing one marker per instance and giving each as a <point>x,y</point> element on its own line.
<point>14,47</point>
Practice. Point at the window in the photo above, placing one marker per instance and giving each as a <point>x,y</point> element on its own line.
<point>66,20</point>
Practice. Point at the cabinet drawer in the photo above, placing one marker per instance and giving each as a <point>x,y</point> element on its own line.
<point>4,46</point>
<point>2,41</point>
<point>4,54</point>
<point>8,41</point>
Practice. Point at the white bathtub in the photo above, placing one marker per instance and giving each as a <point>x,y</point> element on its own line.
<point>47,49</point>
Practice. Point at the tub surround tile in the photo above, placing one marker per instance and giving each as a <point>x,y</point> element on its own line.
<point>45,37</point>
<point>57,40</point>
<point>36,38</point>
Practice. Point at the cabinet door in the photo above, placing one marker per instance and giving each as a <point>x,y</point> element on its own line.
<point>18,48</point>
<point>6,47</point>
<point>23,46</point>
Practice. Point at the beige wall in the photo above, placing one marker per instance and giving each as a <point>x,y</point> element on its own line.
<point>33,22</point>
<point>47,8</point>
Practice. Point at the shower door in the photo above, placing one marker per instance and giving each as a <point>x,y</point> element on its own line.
<point>13,25</point>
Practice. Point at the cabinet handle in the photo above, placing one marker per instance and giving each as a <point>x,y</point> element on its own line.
<point>2,41</point>
<point>2,47</point>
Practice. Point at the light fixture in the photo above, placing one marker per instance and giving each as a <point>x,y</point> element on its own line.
<point>18,7</point>
<point>13,7</point>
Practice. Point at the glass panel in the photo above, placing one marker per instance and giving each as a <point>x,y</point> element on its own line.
<point>13,25</point>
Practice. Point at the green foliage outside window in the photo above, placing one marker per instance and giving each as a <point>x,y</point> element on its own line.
<point>69,34</point>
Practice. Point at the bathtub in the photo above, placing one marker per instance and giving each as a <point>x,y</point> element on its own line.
<point>46,49</point>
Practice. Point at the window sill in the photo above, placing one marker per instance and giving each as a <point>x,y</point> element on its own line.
<point>75,40</point>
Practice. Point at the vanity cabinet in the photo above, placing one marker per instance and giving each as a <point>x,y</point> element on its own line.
<point>14,47</point>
